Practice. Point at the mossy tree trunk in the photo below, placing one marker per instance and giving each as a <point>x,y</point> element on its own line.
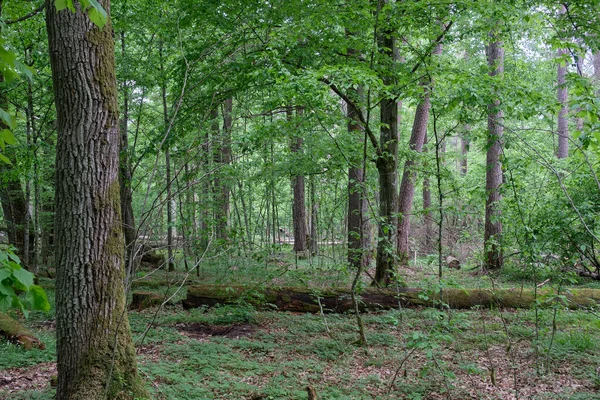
<point>387,164</point>
<point>96,357</point>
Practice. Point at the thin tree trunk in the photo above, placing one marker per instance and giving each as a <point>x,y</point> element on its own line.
<point>464,150</point>
<point>170,200</point>
<point>125,177</point>
<point>314,212</point>
<point>222,158</point>
<point>95,353</point>
<point>427,217</point>
<point>493,224</point>
<point>298,204</point>
<point>355,195</point>
<point>561,95</point>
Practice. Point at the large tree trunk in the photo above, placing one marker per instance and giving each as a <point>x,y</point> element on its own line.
<point>387,168</point>
<point>298,206</point>
<point>96,357</point>
<point>493,225</point>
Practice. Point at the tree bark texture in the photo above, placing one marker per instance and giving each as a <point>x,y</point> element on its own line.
<point>493,224</point>
<point>302,299</point>
<point>387,168</point>
<point>298,204</point>
<point>96,357</point>
<point>562,95</point>
<point>464,150</point>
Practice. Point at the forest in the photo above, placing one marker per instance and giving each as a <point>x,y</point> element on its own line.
<point>299,199</point>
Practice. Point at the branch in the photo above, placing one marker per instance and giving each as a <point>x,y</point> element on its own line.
<point>357,111</point>
<point>27,16</point>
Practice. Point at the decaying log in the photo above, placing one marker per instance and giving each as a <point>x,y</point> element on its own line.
<point>588,274</point>
<point>143,300</point>
<point>17,333</point>
<point>339,300</point>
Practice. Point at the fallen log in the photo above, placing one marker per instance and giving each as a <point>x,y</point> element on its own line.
<point>142,300</point>
<point>339,300</point>
<point>16,333</point>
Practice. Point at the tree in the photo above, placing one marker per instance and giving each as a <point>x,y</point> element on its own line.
<point>407,185</point>
<point>298,203</point>
<point>96,357</point>
<point>493,180</point>
<point>561,95</point>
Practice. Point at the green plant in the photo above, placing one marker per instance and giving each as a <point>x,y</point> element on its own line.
<point>17,289</point>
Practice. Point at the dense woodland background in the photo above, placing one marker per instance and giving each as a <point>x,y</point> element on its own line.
<point>346,144</point>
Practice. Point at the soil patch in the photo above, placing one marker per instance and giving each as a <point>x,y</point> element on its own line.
<point>200,331</point>
<point>30,378</point>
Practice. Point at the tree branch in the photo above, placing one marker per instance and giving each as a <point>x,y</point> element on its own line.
<point>27,16</point>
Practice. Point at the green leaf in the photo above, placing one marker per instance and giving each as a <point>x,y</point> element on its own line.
<point>62,4</point>
<point>24,277</point>
<point>38,299</point>
<point>4,273</point>
<point>96,13</point>
<point>5,159</point>
<point>8,119</point>
<point>14,257</point>
<point>7,291</point>
<point>7,136</point>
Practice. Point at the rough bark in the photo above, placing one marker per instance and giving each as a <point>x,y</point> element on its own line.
<point>493,225</point>
<point>387,168</point>
<point>313,245</point>
<point>302,299</point>
<point>95,353</point>
<point>298,204</point>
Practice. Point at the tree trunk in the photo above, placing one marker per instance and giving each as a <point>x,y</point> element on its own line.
<point>387,168</point>
<point>427,217</point>
<point>222,158</point>
<point>302,299</point>
<point>493,225</point>
<point>561,95</point>
<point>407,186</point>
<point>96,357</point>
<point>356,196</point>
<point>314,213</point>
<point>170,201</point>
<point>298,206</point>
<point>125,177</point>
<point>464,150</point>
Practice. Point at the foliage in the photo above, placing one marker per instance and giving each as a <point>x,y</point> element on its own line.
<point>17,290</point>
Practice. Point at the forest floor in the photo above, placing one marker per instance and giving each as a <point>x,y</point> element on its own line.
<point>238,352</point>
